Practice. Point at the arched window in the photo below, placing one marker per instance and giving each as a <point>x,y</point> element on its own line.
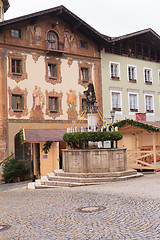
<point>52,38</point>
<point>22,151</point>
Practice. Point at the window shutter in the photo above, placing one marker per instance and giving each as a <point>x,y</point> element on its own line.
<point>13,102</point>
<point>49,70</point>
<point>50,104</point>
<point>22,98</point>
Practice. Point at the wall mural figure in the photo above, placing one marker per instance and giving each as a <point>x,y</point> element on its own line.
<point>33,35</point>
<point>69,41</point>
<point>37,99</point>
<point>71,102</point>
<point>36,112</point>
<point>71,99</point>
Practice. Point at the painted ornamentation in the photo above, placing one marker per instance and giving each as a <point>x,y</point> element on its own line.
<point>36,112</point>
<point>33,35</point>
<point>69,41</point>
<point>35,57</point>
<point>71,102</point>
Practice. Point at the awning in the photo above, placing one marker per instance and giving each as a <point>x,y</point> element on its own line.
<point>43,135</point>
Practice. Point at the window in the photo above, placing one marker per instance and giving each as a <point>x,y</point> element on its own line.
<point>116,101</point>
<point>132,73</point>
<point>52,40</point>
<point>85,74</point>
<point>52,71</point>
<point>148,75</point>
<point>15,33</point>
<point>83,44</point>
<point>149,103</point>
<point>84,105</point>
<point>115,71</point>
<point>53,104</point>
<point>16,66</point>
<point>17,102</point>
<point>133,102</point>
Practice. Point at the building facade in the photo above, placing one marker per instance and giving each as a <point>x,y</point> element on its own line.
<point>131,75</point>
<point>47,60</point>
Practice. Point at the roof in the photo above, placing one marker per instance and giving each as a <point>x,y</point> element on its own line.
<point>134,34</point>
<point>6,5</point>
<point>67,16</point>
<point>43,135</point>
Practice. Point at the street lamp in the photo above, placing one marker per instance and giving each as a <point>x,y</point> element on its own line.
<point>112,112</point>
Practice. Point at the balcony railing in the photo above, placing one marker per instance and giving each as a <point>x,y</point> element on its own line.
<point>54,46</point>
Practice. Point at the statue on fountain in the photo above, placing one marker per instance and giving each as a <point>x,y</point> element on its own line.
<point>90,99</point>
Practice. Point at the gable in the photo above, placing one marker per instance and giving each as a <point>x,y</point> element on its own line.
<point>61,13</point>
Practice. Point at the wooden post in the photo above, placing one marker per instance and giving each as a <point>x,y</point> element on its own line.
<point>137,145</point>
<point>154,148</point>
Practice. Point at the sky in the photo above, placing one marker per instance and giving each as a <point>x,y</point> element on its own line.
<point>110,17</point>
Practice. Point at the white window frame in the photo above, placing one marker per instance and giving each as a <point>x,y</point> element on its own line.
<point>150,95</point>
<point>135,72</point>
<point>151,78</point>
<point>159,77</point>
<point>137,103</point>
<point>118,70</point>
<point>120,100</point>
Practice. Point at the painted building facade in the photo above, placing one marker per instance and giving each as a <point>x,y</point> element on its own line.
<point>47,60</point>
<point>131,75</point>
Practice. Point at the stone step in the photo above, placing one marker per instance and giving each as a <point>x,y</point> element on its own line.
<point>65,179</point>
<point>81,180</point>
<point>66,182</point>
<point>130,177</point>
<point>45,186</point>
<point>63,184</point>
<point>92,175</point>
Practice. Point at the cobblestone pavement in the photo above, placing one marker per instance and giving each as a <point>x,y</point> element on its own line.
<point>131,210</point>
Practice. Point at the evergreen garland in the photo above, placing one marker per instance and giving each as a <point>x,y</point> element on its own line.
<point>132,122</point>
<point>77,139</point>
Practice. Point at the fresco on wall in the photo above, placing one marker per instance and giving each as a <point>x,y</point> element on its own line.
<point>33,35</point>
<point>36,112</point>
<point>69,41</point>
<point>71,102</point>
